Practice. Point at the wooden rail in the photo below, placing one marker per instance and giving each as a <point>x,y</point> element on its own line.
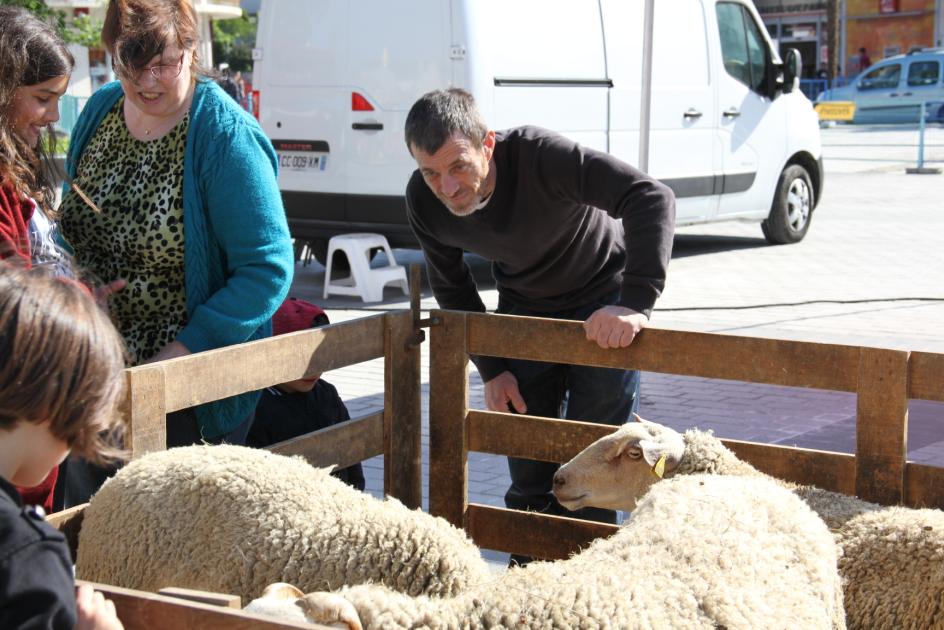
<point>883,381</point>
<point>156,389</point>
<point>140,609</point>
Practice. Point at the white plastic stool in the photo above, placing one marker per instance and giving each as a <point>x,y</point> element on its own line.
<point>366,282</point>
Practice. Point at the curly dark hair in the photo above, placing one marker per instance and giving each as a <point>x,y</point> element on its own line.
<point>31,52</point>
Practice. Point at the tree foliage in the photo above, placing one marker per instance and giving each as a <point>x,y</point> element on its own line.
<point>80,29</point>
<point>233,41</point>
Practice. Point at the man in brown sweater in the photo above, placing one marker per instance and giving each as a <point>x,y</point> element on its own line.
<point>572,233</point>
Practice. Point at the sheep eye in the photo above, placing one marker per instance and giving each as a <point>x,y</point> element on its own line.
<point>634,452</point>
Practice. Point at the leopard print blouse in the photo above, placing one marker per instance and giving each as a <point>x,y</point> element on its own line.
<point>139,235</point>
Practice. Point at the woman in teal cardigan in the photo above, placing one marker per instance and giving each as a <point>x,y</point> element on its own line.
<point>175,192</point>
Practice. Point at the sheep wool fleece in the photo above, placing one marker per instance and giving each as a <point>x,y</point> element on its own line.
<point>893,564</point>
<point>704,453</point>
<point>234,520</point>
<point>891,559</point>
<point>700,551</point>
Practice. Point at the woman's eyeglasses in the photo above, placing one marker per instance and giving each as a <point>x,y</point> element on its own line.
<point>161,72</point>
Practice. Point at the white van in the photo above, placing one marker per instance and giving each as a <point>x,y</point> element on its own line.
<point>728,132</point>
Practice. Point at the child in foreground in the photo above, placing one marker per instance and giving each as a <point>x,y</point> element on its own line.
<point>60,382</point>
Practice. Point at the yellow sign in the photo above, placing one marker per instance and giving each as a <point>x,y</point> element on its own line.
<point>835,110</point>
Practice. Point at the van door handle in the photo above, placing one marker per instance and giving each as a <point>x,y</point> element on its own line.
<point>893,94</point>
<point>908,94</point>
<point>691,112</point>
<point>367,126</point>
<point>732,112</point>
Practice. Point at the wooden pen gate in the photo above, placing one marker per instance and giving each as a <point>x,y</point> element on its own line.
<point>883,380</point>
<point>157,389</point>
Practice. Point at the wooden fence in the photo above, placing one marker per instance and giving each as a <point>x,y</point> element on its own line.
<point>883,381</point>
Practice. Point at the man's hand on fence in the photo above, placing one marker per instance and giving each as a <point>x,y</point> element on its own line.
<point>502,391</point>
<point>614,326</point>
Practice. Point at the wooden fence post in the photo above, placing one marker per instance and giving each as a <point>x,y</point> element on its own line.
<point>448,407</point>
<point>146,428</point>
<point>403,463</point>
<point>882,425</point>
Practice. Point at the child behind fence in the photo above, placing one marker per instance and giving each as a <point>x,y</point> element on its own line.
<point>301,406</point>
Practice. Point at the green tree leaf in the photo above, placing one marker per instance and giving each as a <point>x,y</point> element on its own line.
<point>233,41</point>
<point>81,29</point>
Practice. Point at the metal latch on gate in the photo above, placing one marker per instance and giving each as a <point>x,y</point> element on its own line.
<point>419,335</point>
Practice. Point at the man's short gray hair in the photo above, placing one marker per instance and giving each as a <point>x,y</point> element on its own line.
<point>437,115</point>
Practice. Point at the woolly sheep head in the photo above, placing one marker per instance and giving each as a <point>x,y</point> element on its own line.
<point>617,469</point>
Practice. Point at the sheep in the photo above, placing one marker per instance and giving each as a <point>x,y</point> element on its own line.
<point>889,558</point>
<point>892,562</point>
<point>700,551</point>
<point>631,454</point>
<point>234,520</point>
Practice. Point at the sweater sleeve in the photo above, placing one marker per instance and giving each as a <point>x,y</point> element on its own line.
<point>645,206</point>
<point>244,206</point>
<point>14,225</point>
<point>38,590</point>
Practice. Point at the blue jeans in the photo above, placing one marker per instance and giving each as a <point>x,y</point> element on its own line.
<point>573,392</point>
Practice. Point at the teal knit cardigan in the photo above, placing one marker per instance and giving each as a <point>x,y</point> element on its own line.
<point>238,257</point>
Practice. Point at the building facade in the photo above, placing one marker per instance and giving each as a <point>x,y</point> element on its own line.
<point>882,27</point>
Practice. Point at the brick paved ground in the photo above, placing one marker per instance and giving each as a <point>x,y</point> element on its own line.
<point>876,235</point>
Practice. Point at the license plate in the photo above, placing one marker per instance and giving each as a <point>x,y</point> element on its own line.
<point>292,161</point>
<point>836,110</point>
<point>302,155</point>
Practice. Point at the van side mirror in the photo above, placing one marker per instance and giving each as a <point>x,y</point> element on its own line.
<point>792,66</point>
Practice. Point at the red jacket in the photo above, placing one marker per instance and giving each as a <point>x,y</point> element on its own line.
<point>15,214</point>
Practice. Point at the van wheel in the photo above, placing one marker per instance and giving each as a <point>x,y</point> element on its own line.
<point>792,209</point>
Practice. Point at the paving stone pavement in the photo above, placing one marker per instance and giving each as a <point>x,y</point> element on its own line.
<point>870,272</point>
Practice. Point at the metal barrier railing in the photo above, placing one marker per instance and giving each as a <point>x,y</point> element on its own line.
<point>813,87</point>
<point>926,108</point>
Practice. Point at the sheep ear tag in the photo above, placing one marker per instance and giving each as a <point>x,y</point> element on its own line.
<point>659,469</point>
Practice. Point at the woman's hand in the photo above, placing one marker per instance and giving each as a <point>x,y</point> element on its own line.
<point>102,293</point>
<point>171,351</point>
<point>93,611</point>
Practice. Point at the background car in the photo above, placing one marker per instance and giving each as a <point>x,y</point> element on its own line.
<point>892,90</point>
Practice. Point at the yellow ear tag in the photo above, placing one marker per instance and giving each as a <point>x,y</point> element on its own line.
<point>659,469</point>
